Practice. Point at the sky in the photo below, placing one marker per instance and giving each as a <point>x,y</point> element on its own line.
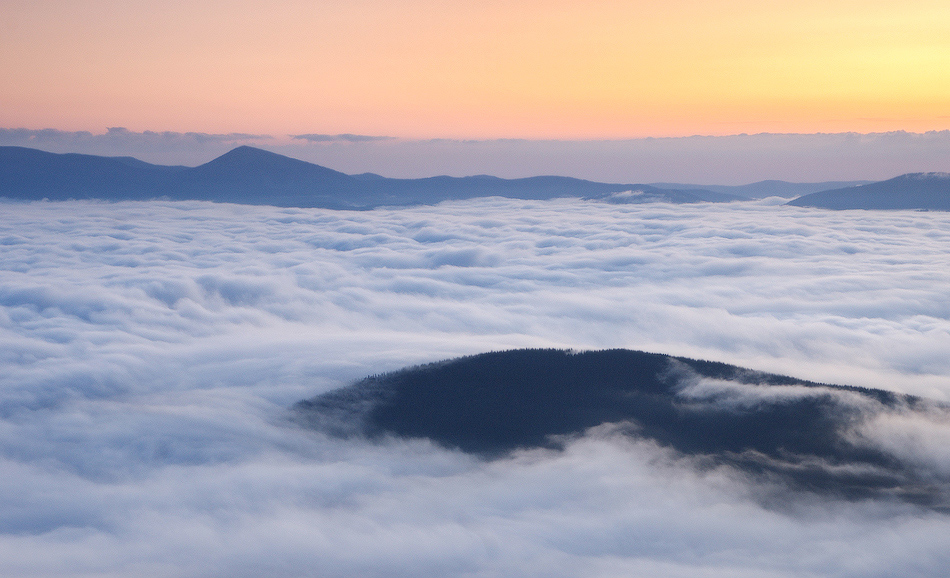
<point>526,69</point>
<point>151,352</point>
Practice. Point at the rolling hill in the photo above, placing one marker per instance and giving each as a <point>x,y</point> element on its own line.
<point>922,191</point>
<point>801,434</point>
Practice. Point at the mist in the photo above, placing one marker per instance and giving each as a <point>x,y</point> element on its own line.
<point>151,352</point>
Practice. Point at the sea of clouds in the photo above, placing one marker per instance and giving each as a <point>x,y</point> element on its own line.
<point>149,353</point>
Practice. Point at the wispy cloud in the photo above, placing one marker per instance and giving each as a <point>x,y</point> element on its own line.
<point>325,138</point>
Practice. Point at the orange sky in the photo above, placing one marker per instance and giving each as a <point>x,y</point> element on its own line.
<point>486,69</point>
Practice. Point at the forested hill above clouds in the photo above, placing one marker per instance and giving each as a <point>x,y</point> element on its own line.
<point>805,435</point>
<point>253,176</point>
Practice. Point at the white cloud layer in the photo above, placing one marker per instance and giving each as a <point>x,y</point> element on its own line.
<point>149,352</point>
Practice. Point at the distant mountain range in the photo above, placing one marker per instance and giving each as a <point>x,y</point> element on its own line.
<point>763,189</point>
<point>253,176</point>
<point>802,434</point>
<point>930,191</point>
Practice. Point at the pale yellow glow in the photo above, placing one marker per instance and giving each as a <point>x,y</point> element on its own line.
<point>441,68</point>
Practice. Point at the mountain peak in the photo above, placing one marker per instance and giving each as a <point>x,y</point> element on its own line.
<point>246,162</point>
<point>246,151</point>
<point>252,155</point>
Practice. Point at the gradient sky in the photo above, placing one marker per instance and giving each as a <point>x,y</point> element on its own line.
<point>488,69</point>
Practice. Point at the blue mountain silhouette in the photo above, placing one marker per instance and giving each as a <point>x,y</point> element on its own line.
<point>928,191</point>
<point>253,176</point>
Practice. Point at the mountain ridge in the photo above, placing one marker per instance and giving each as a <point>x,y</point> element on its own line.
<point>254,176</point>
<point>768,188</point>
<point>921,191</point>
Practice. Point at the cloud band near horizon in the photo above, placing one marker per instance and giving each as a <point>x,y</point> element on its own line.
<point>710,160</point>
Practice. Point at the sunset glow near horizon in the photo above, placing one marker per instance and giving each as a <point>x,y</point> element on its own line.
<point>601,69</point>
